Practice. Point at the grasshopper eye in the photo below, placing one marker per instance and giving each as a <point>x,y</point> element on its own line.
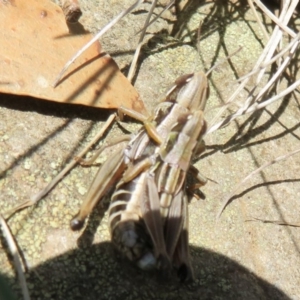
<point>183,80</point>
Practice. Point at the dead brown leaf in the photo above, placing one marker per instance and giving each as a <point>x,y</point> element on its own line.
<point>36,43</point>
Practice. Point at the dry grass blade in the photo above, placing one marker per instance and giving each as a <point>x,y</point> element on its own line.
<point>267,57</point>
<point>34,199</point>
<point>138,48</point>
<point>282,223</point>
<point>16,257</point>
<point>292,46</point>
<point>275,19</point>
<point>273,99</point>
<point>280,158</point>
<point>262,27</point>
<point>158,16</point>
<point>95,38</point>
<point>294,42</point>
<point>254,107</point>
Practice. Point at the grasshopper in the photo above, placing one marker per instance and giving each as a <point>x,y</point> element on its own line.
<point>148,213</point>
<point>128,219</point>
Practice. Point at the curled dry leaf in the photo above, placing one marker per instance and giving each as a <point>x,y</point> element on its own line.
<point>71,10</point>
<point>35,44</point>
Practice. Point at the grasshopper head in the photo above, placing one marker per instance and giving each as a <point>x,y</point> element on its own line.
<point>190,91</point>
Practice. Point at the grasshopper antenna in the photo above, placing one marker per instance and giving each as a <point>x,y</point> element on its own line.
<point>219,63</point>
<point>198,44</point>
<point>132,69</point>
<point>138,48</point>
<point>223,60</point>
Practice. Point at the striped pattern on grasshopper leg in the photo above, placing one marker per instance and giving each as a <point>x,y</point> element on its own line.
<point>151,178</point>
<point>127,228</point>
<point>135,204</point>
<point>105,178</point>
<point>127,222</point>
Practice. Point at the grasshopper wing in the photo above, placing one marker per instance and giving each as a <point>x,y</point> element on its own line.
<point>182,253</point>
<point>150,209</point>
<point>174,223</point>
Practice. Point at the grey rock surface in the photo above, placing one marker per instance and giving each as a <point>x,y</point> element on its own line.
<point>233,258</point>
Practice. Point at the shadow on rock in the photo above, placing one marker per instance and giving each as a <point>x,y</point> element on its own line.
<point>98,272</point>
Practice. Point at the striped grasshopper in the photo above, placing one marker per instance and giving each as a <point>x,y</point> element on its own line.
<point>148,212</point>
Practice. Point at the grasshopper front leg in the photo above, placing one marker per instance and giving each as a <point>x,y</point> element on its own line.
<point>108,174</point>
<point>147,122</point>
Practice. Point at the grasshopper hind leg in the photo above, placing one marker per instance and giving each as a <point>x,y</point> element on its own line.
<point>111,170</point>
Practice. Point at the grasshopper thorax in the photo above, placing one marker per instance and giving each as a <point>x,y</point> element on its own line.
<point>190,91</point>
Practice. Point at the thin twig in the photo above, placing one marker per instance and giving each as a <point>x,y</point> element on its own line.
<point>275,98</point>
<point>276,222</point>
<point>279,158</point>
<point>254,107</point>
<point>251,106</point>
<point>275,19</point>
<point>271,61</point>
<point>16,257</point>
<point>157,17</point>
<point>262,27</point>
<point>266,55</point>
<point>34,199</point>
<point>138,48</point>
